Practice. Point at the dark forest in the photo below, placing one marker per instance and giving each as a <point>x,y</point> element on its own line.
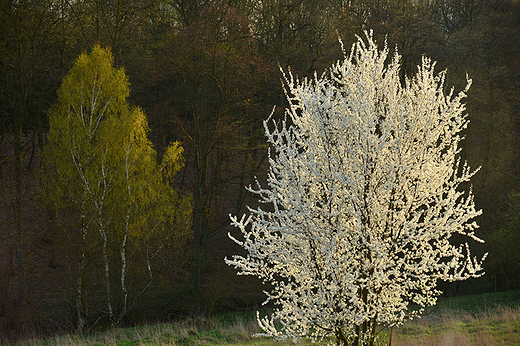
<point>199,77</point>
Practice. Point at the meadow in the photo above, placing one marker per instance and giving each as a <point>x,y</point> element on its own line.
<point>483,319</point>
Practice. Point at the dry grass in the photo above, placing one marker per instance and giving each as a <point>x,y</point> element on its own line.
<point>500,326</point>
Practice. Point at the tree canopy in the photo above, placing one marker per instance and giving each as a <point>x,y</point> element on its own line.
<point>364,194</point>
<point>103,164</point>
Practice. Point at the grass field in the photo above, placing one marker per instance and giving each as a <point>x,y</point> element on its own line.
<point>485,319</point>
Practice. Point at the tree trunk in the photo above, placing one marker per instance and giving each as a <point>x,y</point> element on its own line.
<point>103,230</point>
<point>2,157</point>
<point>107,275</point>
<point>124,303</point>
<point>200,210</point>
<point>79,281</point>
<point>198,228</point>
<point>18,158</point>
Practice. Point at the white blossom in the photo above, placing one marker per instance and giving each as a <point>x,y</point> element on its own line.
<point>365,190</point>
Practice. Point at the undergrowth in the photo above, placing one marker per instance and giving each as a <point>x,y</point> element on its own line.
<point>489,319</point>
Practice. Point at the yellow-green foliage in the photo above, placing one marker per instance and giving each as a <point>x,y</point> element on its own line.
<point>99,151</point>
<point>86,123</point>
<point>100,163</point>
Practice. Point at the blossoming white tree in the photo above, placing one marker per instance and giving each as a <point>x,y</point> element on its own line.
<point>365,192</point>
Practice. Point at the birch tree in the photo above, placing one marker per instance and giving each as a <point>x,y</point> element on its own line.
<point>365,190</point>
<point>100,163</point>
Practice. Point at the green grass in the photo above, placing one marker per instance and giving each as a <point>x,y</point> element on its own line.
<point>484,319</point>
<point>479,303</point>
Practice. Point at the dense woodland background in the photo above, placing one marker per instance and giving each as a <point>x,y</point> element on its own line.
<point>206,73</point>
